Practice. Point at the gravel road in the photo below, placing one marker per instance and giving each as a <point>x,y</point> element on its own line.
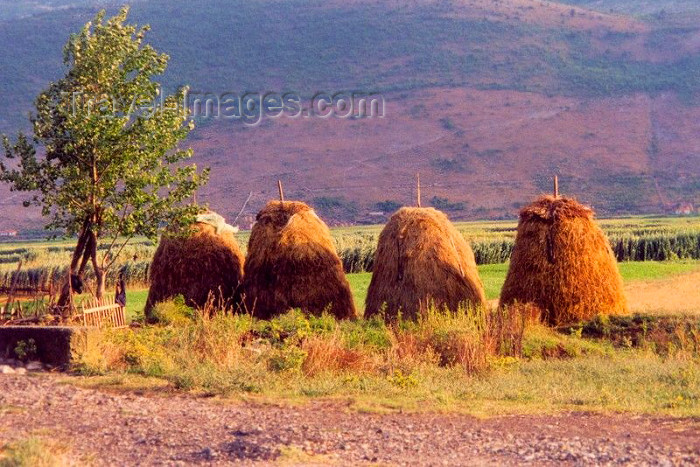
<point>132,428</point>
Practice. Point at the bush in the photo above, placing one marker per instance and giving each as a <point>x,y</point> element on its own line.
<point>444,204</point>
<point>388,206</point>
<point>221,353</point>
<point>173,312</point>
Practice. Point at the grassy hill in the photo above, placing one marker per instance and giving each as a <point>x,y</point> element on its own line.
<point>486,99</point>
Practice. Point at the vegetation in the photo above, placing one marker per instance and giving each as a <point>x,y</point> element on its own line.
<point>444,204</point>
<point>34,452</point>
<point>334,206</point>
<point>634,240</point>
<point>467,361</point>
<point>438,46</point>
<point>232,353</point>
<point>388,206</point>
<point>108,165</point>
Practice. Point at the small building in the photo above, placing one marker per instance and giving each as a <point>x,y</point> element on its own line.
<point>8,233</point>
<point>684,209</point>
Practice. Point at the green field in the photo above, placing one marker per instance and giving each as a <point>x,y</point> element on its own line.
<point>632,239</point>
<point>675,239</point>
<point>492,275</point>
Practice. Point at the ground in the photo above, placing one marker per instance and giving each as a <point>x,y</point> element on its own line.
<point>128,428</point>
<point>589,404</point>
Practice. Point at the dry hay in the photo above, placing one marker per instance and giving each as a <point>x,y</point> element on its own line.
<point>421,261</point>
<point>204,264</point>
<point>563,264</point>
<point>292,263</point>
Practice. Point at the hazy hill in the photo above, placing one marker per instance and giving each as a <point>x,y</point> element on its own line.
<point>486,99</point>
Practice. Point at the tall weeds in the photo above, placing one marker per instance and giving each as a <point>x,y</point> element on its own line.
<point>216,351</point>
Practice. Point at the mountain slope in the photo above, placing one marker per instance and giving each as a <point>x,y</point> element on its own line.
<point>486,99</point>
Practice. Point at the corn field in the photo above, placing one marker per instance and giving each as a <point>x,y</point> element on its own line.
<point>44,267</point>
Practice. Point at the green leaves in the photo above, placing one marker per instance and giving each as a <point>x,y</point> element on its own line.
<point>108,141</point>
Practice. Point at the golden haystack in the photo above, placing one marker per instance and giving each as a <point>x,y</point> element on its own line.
<point>206,263</point>
<point>563,264</point>
<point>292,263</point>
<point>422,260</point>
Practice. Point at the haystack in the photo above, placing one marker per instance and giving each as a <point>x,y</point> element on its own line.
<point>292,263</point>
<point>422,261</point>
<point>562,264</point>
<point>202,265</point>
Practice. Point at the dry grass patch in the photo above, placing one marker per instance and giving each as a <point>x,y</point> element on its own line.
<point>679,294</point>
<point>36,452</point>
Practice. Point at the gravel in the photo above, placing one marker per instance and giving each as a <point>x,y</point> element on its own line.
<point>175,429</point>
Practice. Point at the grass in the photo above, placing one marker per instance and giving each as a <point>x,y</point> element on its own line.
<point>492,275</point>
<point>623,381</point>
<point>444,363</point>
<point>33,452</point>
<point>359,283</point>
<point>656,270</point>
<point>135,303</point>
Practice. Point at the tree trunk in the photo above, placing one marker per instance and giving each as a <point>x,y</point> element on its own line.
<point>100,273</point>
<point>79,252</point>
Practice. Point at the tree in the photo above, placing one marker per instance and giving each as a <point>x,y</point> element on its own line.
<point>104,162</point>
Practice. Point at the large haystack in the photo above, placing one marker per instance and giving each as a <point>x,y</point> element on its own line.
<point>562,263</point>
<point>205,264</point>
<point>292,263</point>
<point>422,261</point>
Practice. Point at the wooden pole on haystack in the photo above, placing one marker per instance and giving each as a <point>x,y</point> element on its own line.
<point>556,186</point>
<point>279,187</point>
<point>418,189</point>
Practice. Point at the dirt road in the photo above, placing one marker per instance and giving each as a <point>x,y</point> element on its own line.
<point>128,429</point>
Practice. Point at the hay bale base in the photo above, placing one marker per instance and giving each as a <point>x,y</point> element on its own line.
<point>422,261</point>
<point>562,263</point>
<point>204,265</point>
<point>292,263</point>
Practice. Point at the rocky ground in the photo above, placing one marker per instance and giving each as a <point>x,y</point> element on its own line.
<point>107,428</point>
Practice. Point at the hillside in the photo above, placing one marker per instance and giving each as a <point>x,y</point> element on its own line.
<point>487,100</point>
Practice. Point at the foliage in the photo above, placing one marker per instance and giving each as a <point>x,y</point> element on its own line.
<point>334,206</point>
<point>445,204</point>
<point>111,166</point>
<point>449,165</point>
<point>189,342</point>
<point>25,350</point>
<point>441,362</point>
<point>173,312</point>
<point>388,206</point>
<point>34,452</point>
<point>665,335</point>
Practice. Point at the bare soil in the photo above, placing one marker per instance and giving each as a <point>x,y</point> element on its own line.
<point>107,428</point>
<point>680,295</point>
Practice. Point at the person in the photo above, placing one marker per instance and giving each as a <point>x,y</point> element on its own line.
<point>120,294</point>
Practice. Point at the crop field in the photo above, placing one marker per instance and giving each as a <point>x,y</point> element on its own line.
<point>632,239</point>
<point>469,361</point>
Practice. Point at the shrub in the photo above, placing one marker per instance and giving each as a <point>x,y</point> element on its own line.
<point>173,312</point>
<point>232,353</point>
